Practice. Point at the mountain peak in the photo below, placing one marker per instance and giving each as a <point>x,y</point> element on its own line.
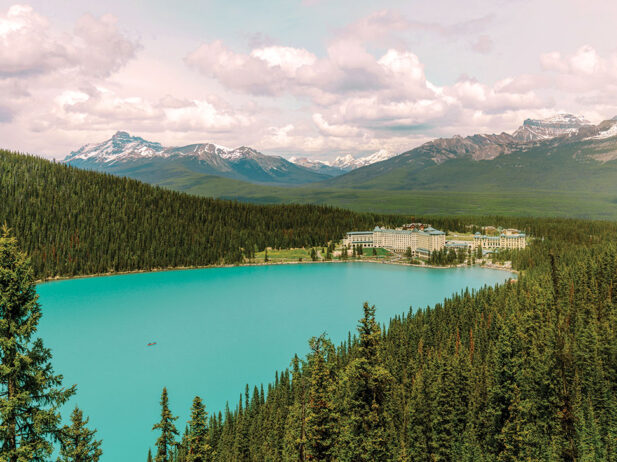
<point>121,134</point>
<point>543,129</point>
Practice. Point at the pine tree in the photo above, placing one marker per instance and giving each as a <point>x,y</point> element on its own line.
<point>30,392</point>
<point>149,459</point>
<point>365,388</point>
<point>197,433</point>
<point>313,254</point>
<point>78,443</point>
<point>321,422</point>
<point>166,442</point>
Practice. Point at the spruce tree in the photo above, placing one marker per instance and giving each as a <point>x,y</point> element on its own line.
<point>149,459</point>
<point>313,254</point>
<point>165,442</point>
<point>199,449</point>
<point>78,443</point>
<point>321,422</point>
<point>30,393</point>
<point>366,385</point>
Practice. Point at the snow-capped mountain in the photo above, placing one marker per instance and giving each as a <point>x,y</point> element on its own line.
<point>342,164</point>
<point>120,147</point>
<point>534,140</point>
<point>544,129</point>
<point>349,162</point>
<point>318,166</point>
<point>607,129</point>
<point>128,155</point>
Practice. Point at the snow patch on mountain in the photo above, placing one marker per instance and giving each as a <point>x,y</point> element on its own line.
<point>349,162</point>
<point>119,147</point>
<point>544,129</point>
<point>608,133</point>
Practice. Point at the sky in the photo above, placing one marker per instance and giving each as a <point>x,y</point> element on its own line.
<point>314,78</point>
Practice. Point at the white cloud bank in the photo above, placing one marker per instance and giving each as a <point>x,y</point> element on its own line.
<point>367,91</point>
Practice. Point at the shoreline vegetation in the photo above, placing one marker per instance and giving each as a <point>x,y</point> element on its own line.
<point>274,263</point>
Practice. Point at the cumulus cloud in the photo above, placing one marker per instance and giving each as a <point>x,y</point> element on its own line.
<point>96,107</point>
<point>29,45</point>
<point>353,91</point>
<point>369,88</point>
<point>584,64</point>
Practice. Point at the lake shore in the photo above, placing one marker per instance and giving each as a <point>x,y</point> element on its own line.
<point>270,263</point>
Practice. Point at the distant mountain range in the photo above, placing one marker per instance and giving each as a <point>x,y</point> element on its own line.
<point>564,158</point>
<point>539,154</point>
<point>133,156</point>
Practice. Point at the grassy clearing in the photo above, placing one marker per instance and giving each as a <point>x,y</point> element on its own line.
<point>284,255</point>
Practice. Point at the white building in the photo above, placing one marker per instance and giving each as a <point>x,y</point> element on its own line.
<point>509,239</point>
<point>363,239</point>
<point>421,242</point>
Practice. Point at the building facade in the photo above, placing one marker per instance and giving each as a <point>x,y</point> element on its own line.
<point>421,241</point>
<point>509,239</point>
<point>363,239</point>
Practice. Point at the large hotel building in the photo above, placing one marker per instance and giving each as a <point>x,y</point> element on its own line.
<point>421,241</point>
<point>508,239</point>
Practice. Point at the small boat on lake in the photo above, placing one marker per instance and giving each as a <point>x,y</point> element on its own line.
<point>151,343</point>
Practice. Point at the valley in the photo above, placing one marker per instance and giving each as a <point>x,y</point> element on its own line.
<point>561,166</point>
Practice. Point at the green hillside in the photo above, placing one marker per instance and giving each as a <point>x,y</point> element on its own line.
<point>546,180</point>
<point>449,202</point>
<point>550,166</point>
<point>525,371</point>
<point>73,222</point>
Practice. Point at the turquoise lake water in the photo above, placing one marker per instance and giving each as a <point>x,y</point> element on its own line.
<point>216,330</point>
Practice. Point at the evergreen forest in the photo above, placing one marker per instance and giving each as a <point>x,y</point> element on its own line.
<point>525,371</point>
<point>76,222</point>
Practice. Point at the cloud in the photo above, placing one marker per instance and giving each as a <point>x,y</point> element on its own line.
<point>370,87</point>
<point>99,107</point>
<point>584,72</point>
<point>585,62</point>
<point>29,45</point>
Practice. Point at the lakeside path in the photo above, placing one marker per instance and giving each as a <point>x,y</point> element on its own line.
<point>270,263</point>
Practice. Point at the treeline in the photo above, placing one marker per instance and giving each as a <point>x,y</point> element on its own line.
<point>73,222</point>
<point>522,371</point>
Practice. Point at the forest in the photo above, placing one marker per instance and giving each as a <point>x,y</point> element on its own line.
<point>522,371</point>
<point>77,222</point>
<point>525,371</point>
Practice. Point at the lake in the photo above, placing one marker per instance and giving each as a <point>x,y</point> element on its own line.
<point>215,330</point>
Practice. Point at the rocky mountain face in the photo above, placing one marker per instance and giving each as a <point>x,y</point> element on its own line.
<point>318,166</point>
<point>541,136</point>
<point>133,156</point>
<point>152,162</point>
<point>343,164</point>
<point>558,125</point>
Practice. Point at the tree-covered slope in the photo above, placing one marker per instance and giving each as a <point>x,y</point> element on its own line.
<point>481,174</point>
<point>73,222</point>
<point>518,372</point>
<point>560,164</point>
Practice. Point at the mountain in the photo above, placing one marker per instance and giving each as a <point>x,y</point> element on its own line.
<point>571,172</point>
<point>343,164</point>
<point>72,221</point>
<point>138,158</point>
<point>431,165</point>
<point>325,168</point>
<point>558,125</point>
